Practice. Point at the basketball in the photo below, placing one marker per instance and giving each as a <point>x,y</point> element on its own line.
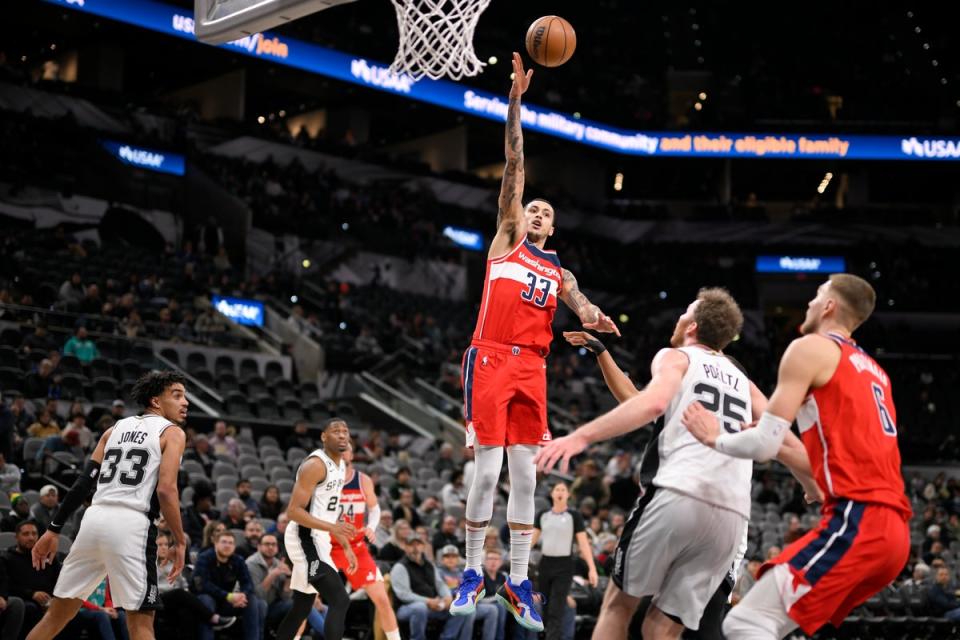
<point>551,41</point>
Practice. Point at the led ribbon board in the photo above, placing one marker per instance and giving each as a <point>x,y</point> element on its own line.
<point>801,264</point>
<point>466,238</point>
<point>144,158</point>
<point>240,310</point>
<point>174,21</point>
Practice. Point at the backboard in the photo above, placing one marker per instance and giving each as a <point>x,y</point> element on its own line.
<point>219,21</point>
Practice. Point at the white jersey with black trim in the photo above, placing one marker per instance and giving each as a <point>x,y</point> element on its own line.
<point>131,464</point>
<point>324,504</point>
<point>688,467</point>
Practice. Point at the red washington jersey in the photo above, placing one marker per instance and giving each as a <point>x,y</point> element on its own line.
<point>353,508</point>
<point>849,428</point>
<point>520,298</point>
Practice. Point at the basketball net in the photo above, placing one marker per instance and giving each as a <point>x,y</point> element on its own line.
<point>436,38</point>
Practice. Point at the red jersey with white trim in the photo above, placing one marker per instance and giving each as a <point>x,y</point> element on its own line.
<point>520,298</point>
<point>849,428</point>
<point>353,508</point>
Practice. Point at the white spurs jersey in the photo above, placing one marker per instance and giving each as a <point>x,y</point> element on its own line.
<point>131,464</point>
<point>685,465</point>
<point>325,502</point>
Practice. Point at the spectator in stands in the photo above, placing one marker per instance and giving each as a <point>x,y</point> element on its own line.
<point>202,453</point>
<point>768,493</point>
<point>9,477</point>
<point>406,510</point>
<point>366,343</point>
<point>395,547</point>
<point>746,580</point>
<point>933,535</point>
<point>449,567</point>
<point>445,461</point>
<point>81,346</point>
<point>209,324</point>
<point>217,573</point>
<point>67,442</point>
<point>19,511</point>
<point>447,534</point>
<point>403,482</point>
<point>38,383</point>
<point>133,326</point>
<point>772,552</point>
<point>44,427</point>
<point>493,615</point>
<point>210,532</point>
<point>589,484</point>
<point>222,442</point>
<point>188,611</point>
<point>98,613</point>
<point>794,530</point>
<point>85,437</point>
<point>34,587</point>
<point>39,340</point>
<point>234,517</point>
<point>382,534</point>
<point>42,512</point>
<point>200,513</point>
<point>117,409</point>
<point>21,414</point>
<point>454,493</point>
<point>270,576</point>
<point>91,304</point>
<point>243,492</point>
<point>11,608</point>
<point>185,329</point>
<point>252,532</point>
<point>270,505</point>
<point>301,437</point>
<point>920,577</point>
<point>72,291</point>
<point>935,552</point>
<point>942,598</point>
<point>221,261</point>
<point>422,594</point>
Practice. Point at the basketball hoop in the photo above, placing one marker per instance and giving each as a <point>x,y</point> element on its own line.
<point>436,38</point>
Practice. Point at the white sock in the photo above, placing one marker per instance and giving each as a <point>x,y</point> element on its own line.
<point>475,536</point>
<point>393,635</point>
<point>519,554</point>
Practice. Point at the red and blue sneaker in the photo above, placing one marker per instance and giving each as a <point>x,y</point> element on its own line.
<point>470,590</point>
<point>518,599</point>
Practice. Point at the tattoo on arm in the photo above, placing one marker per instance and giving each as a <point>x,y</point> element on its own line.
<point>511,189</point>
<point>576,300</point>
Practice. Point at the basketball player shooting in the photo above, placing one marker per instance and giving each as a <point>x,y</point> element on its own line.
<point>504,371</point>
<point>314,513</point>
<point>682,538</point>
<point>843,404</point>
<point>133,474</point>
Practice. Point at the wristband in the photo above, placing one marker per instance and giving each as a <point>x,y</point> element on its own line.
<point>595,346</point>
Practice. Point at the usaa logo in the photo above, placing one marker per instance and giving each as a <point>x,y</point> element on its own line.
<point>256,43</point>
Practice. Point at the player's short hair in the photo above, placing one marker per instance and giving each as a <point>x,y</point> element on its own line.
<point>332,421</point>
<point>544,201</point>
<point>857,297</point>
<point>153,384</point>
<point>718,318</point>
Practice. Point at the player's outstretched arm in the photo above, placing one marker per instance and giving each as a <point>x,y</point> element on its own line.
<point>45,550</point>
<point>312,473</point>
<point>589,313</point>
<point>668,369</point>
<point>510,220</point>
<point>617,381</point>
<point>802,363</point>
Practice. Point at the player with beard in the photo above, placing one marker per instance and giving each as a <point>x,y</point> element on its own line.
<point>843,404</point>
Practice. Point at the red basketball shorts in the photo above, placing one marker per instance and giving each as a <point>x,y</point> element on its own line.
<point>504,395</point>
<point>857,549</point>
<point>367,570</point>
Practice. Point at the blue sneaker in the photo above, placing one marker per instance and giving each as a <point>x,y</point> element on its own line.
<point>470,590</point>
<point>518,599</point>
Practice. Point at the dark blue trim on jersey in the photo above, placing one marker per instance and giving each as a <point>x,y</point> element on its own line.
<point>543,255</point>
<point>468,362</point>
<point>833,542</point>
<point>354,481</point>
<point>836,337</point>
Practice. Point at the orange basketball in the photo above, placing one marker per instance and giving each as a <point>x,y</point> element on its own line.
<point>551,41</point>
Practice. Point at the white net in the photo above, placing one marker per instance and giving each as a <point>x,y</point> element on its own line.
<point>436,38</point>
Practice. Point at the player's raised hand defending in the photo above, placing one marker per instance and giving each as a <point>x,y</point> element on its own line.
<point>560,450</point>
<point>585,340</point>
<point>603,324</point>
<point>701,423</point>
<point>45,550</point>
<point>521,78</point>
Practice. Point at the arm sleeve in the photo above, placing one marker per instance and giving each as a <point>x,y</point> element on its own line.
<point>75,496</point>
<point>400,583</point>
<point>760,443</point>
<point>373,517</point>
<point>578,525</point>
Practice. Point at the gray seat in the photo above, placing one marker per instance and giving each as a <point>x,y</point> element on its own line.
<point>7,540</point>
<point>192,467</point>
<point>252,471</point>
<point>285,485</point>
<point>259,483</point>
<point>268,441</point>
<point>280,473</point>
<point>227,482</point>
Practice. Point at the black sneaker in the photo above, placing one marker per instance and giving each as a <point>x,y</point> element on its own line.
<point>225,622</point>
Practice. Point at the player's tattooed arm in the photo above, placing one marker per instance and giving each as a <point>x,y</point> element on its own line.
<point>589,313</point>
<point>510,208</point>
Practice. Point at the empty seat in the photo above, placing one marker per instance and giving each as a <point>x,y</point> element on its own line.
<point>292,409</point>
<point>280,472</point>
<point>9,357</point>
<point>227,382</point>
<point>309,392</point>
<point>295,456</point>
<point>104,390</point>
<point>143,354</point>
<point>283,389</point>
<point>259,483</point>
<point>269,451</point>
<point>267,408</point>
<point>224,496</point>
<point>268,441</point>
<point>172,355</point>
<point>227,482</point>
<point>203,376</point>
<point>130,368</point>
<point>246,448</point>
<point>101,368</point>
<point>11,337</point>
<point>224,364</point>
<point>249,367</point>
<point>193,466</point>
<point>11,378</point>
<point>251,471</point>
<point>273,372</point>
<point>220,467</point>
<point>248,460</point>
<point>72,386</point>
<point>70,364</point>
<point>255,386</point>
<point>196,360</point>
<point>285,485</point>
